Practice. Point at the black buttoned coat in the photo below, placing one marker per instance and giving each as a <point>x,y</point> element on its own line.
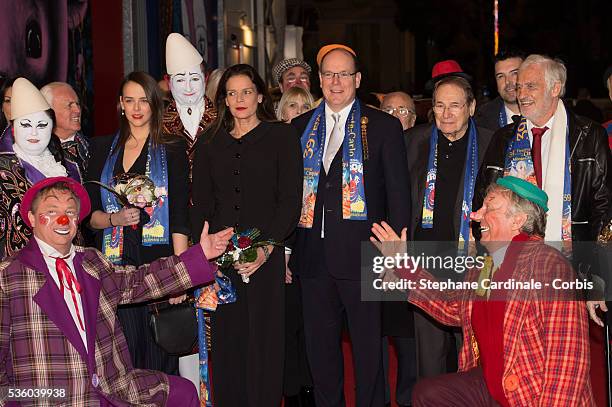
<point>251,182</point>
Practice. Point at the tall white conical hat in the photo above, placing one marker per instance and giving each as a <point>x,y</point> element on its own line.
<point>26,99</point>
<point>180,54</point>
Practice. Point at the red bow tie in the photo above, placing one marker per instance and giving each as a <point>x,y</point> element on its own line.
<point>64,272</point>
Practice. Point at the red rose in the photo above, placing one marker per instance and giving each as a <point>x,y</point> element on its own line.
<point>244,242</point>
<point>230,246</point>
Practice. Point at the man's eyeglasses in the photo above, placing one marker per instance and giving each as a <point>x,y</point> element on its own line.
<point>454,108</point>
<point>402,111</point>
<point>328,76</point>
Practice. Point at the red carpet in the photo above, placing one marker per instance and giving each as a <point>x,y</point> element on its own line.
<point>598,367</point>
<point>349,378</point>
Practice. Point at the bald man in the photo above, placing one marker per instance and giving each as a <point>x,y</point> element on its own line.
<point>400,105</point>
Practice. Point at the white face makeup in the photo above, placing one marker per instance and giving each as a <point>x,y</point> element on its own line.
<point>188,86</point>
<point>33,132</point>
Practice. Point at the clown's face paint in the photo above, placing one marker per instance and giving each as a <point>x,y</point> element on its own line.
<point>44,219</point>
<point>33,132</point>
<point>187,86</point>
<point>56,219</point>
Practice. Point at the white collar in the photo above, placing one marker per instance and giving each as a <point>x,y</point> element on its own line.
<point>344,112</point>
<point>49,251</point>
<point>71,138</point>
<point>548,124</point>
<point>45,162</point>
<point>499,255</point>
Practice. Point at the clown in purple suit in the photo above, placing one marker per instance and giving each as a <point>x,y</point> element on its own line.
<point>58,303</point>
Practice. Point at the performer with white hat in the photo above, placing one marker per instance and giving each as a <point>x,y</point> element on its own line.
<point>190,110</point>
<point>24,160</point>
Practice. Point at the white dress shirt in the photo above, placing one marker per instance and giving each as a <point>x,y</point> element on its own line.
<point>509,114</point>
<point>545,144</point>
<point>329,126</point>
<point>48,254</point>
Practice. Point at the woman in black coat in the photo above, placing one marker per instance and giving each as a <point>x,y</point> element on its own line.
<point>247,173</point>
<point>140,147</point>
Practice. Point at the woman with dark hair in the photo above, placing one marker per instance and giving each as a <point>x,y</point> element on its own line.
<point>6,93</point>
<point>247,173</point>
<point>133,236</point>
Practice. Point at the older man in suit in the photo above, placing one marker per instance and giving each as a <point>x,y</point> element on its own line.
<point>58,302</point>
<point>443,160</point>
<point>355,173</point>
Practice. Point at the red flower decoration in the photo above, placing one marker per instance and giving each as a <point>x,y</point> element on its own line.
<point>230,246</point>
<point>244,242</point>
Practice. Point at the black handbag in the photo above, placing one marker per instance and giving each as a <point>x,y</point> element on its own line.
<point>174,327</point>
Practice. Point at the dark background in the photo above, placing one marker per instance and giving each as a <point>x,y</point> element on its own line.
<point>578,32</point>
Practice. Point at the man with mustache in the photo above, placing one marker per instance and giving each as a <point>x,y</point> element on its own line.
<point>500,111</point>
<point>564,154</point>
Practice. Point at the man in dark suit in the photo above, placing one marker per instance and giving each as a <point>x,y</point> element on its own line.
<point>443,157</point>
<point>499,112</point>
<point>348,147</point>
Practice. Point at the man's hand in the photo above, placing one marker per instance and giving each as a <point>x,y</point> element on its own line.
<point>214,245</point>
<point>592,308</point>
<point>177,300</point>
<point>387,241</point>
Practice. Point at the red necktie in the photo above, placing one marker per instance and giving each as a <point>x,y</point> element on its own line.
<point>64,272</point>
<point>536,152</point>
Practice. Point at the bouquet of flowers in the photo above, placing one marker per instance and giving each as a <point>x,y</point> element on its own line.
<point>242,248</point>
<point>137,189</point>
<point>133,190</point>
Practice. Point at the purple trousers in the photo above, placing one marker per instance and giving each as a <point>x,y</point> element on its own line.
<point>465,389</point>
<point>182,393</point>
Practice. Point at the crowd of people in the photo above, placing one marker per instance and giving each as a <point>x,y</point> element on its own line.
<point>96,234</point>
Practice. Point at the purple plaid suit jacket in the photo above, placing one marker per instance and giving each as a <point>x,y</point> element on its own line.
<point>39,342</point>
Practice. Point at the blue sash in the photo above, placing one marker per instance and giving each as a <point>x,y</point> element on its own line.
<point>353,189</point>
<point>157,230</point>
<point>519,163</point>
<point>469,180</point>
<point>503,118</point>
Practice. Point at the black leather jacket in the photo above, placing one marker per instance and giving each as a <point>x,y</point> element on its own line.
<point>590,171</point>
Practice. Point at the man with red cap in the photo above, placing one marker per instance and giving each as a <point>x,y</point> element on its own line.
<point>443,69</point>
<point>58,303</point>
<point>355,172</point>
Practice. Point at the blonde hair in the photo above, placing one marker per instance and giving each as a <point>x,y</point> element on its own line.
<point>290,95</point>
<point>213,83</point>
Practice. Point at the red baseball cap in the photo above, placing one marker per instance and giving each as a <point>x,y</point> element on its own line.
<point>75,187</point>
<point>442,69</point>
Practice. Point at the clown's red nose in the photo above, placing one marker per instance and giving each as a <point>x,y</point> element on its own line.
<point>63,220</point>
